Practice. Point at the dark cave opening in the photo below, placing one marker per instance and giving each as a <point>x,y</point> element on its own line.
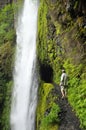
<point>46,73</point>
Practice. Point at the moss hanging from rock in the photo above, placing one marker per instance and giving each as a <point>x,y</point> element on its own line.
<point>62,44</point>
<point>47,110</point>
<point>42,31</point>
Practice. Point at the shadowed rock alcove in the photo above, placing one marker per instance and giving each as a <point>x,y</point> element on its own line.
<point>46,73</point>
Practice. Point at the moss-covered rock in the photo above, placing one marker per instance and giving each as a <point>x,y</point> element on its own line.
<point>47,109</point>
<point>62,44</point>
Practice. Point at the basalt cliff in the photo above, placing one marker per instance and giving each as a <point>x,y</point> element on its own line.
<point>61,43</point>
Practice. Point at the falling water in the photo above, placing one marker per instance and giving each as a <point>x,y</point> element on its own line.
<point>24,98</point>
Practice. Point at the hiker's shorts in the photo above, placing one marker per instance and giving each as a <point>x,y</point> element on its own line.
<point>62,87</point>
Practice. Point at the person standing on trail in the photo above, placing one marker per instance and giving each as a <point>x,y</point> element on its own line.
<point>63,83</point>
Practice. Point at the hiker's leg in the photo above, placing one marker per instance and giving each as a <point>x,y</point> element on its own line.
<point>62,91</point>
<point>66,89</point>
<point>65,92</point>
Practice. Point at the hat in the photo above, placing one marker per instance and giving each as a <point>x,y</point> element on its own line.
<point>63,70</point>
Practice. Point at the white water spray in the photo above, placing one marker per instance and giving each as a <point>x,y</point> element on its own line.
<point>25,83</point>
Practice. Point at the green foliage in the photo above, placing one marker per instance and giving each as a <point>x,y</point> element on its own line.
<point>78,101</point>
<point>46,102</point>
<point>7,41</point>
<point>7,32</point>
<point>77,89</point>
<point>5,119</point>
<point>44,90</point>
<point>58,28</point>
<point>52,117</point>
<point>42,30</point>
<point>6,61</point>
<point>62,43</point>
<point>6,67</point>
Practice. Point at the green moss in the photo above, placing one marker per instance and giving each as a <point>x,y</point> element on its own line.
<point>42,30</point>
<point>43,92</point>
<point>78,101</point>
<point>51,118</point>
<point>47,110</point>
<point>61,43</point>
<point>58,28</point>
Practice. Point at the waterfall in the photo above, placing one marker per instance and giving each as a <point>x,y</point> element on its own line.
<point>24,97</point>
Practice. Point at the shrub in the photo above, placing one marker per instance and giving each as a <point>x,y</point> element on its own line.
<point>52,117</point>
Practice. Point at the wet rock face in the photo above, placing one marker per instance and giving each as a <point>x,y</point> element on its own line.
<point>4,2</point>
<point>52,1</point>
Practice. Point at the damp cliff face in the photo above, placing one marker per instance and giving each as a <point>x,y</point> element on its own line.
<point>61,43</point>
<point>47,110</point>
<point>61,32</point>
<point>5,2</point>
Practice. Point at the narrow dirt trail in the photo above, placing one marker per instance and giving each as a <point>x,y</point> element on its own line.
<point>68,119</point>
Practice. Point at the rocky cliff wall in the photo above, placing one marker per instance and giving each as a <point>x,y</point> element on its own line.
<point>5,2</point>
<point>61,43</point>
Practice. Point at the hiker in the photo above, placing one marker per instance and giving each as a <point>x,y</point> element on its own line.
<point>63,83</point>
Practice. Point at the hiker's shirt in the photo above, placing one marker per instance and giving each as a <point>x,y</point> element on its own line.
<point>64,79</point>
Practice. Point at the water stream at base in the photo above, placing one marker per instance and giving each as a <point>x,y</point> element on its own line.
<point>24,97</point>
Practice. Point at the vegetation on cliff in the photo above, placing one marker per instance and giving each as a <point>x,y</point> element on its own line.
<point>62,44</point>
<point>7,42</point>
<point>47,110</point>
<point>8,16</point>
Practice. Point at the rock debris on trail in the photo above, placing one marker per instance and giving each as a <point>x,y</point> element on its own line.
<point>68,119</point>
